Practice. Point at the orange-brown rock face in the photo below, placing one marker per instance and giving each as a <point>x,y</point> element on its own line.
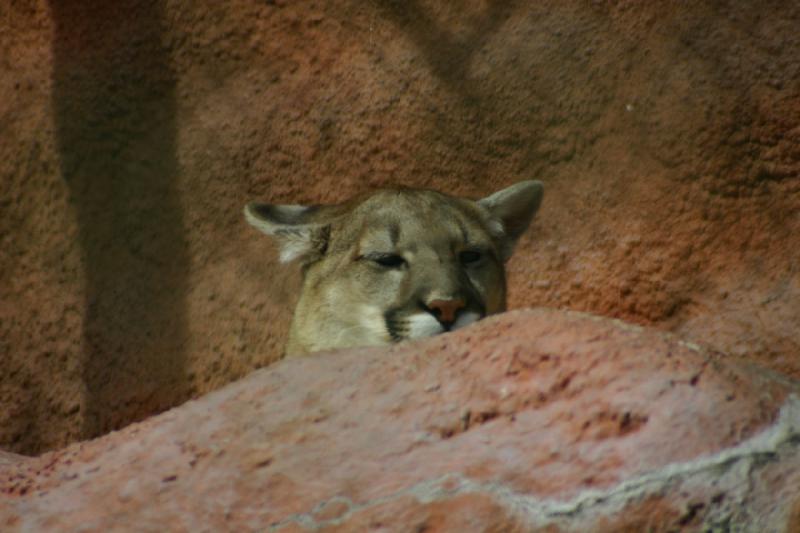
<point>532,420</point>
<point>133,132</point>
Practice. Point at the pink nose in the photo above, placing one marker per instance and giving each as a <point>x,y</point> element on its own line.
<point>446,310</point>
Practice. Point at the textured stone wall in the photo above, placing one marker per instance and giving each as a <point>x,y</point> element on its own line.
<point>133,132</point>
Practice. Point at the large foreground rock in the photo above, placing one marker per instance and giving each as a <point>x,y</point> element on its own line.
<point>534,419</point>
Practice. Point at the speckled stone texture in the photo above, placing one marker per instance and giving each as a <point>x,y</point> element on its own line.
<point>133,132</point>
<point>533,420</point>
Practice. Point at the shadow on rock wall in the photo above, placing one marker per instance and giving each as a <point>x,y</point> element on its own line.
<point>448,55</point>
<point>114,107</point>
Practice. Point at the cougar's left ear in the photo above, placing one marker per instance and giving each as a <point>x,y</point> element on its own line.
<point>514,207</point>
<point>298,237</point>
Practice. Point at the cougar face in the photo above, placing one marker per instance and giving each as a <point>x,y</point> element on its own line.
<point>396,264</point>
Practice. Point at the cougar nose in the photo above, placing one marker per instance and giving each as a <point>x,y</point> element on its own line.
<point>445,311</point>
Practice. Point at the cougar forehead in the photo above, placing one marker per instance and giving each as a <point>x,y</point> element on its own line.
<point>396,265</point>
<point>411,220</point>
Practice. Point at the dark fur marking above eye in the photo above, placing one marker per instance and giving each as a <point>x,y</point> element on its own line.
<point>325,238</point>
<point>463,230</point>
<point>394,233</point>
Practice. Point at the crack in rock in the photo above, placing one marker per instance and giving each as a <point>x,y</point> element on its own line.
<point>730,471</point>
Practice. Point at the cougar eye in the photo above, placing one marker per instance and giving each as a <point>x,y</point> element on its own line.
<point>470,257</point>
<point>388,260</point>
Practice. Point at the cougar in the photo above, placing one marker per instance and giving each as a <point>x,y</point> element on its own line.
<point>396,264</point>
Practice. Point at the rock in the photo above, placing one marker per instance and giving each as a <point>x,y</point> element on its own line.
<point>536,419</point>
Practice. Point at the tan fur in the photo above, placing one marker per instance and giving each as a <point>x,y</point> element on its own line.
<point>396,264</point>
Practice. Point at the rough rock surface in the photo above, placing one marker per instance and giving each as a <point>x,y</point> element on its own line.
<point>132,132</point>
<point>539,419</point>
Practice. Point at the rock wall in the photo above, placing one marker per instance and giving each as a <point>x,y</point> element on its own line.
<point>133,132</point>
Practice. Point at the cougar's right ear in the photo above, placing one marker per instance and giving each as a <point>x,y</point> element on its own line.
<point>514,207</point>
<point>290,225</point>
